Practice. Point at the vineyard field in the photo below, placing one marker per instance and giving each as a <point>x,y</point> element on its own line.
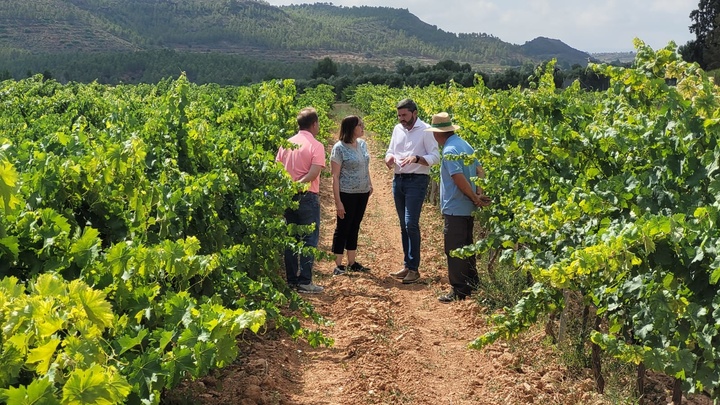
<point>142,226</point>
<point>611,195</point>
<point>141,233</point>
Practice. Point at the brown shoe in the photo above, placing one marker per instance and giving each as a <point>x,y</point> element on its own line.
<point>411,277</point>
<point>400,274</point>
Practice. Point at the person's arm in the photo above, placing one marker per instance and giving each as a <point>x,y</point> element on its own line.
<point>389,160</point>
<point>432,157</point>
<point>390,153</point>
<point>464,185</point>
<point>366,155</point>
<point>335,169</point>
<point>311,174</point>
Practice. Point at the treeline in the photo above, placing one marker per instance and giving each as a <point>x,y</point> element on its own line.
<point>344,82</point>
<point>150,67</point>
<point>226,69</point>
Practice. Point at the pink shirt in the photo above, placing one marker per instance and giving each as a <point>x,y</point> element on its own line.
<point>297,162</point>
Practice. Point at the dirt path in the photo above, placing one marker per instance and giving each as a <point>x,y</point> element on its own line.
<point>394,343</point>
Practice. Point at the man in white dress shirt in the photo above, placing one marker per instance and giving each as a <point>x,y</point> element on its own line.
<point>411,152</point>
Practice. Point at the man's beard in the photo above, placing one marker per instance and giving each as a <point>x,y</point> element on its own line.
<point>408,124</point>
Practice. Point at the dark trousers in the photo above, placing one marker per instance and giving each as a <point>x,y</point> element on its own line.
<point>348,228</point>
<point>298,268</point>
<point>409,192</point>
<point>458,232</point>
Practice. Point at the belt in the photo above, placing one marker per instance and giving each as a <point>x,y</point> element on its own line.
<point>303,193</point>
<point>401,175</point>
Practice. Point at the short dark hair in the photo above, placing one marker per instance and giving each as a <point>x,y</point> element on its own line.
<point>307,117</point>
<point>347,128</point>
<point>407,104</point>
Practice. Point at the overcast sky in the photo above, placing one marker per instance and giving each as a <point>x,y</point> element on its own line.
<point>598,26</point>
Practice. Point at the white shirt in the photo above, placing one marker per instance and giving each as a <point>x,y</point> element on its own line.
<point>416,141</point>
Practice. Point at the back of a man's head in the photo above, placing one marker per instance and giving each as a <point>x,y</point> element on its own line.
<point>307,117</point>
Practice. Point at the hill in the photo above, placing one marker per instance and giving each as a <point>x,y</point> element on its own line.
<point>547,48</point>
<point>250,30</point>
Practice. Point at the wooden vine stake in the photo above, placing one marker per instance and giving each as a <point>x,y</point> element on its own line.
<point>641,383</point>
<point>596,364</point>
<point>677,392</point>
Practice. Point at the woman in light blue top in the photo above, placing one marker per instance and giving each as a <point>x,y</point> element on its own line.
<point>352,187</point>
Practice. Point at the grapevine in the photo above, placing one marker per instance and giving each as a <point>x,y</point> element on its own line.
<point>611,194</point>
<point>141,231</point>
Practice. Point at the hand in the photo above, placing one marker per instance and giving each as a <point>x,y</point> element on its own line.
<point>390,161</point>
<point>407,161</point>
<point>371,191</point>
<point>481,200</point>
<point>340,210</point>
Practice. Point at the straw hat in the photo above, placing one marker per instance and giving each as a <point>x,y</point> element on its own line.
<point>441,123</point>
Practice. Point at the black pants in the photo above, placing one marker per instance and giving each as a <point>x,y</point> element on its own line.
<point>458,232</point>
<point>348,228</point>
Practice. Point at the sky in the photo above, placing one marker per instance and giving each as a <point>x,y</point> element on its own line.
<point>594,27</point>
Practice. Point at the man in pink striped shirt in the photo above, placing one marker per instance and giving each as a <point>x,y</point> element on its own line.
<point>304,165</point>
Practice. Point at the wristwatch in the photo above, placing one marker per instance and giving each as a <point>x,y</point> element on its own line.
<point>417,158</point>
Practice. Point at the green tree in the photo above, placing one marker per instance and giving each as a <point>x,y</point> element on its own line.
<point>403,68</point>
<point>704,49</point>
<point>325,68</point>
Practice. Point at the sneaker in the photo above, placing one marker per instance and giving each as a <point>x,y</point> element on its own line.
<point>310,288</point>
<point>450,297</point>
<point>400,274</point>
<point>412,276</point>
<point>358,267</point>
<point>339,270</point>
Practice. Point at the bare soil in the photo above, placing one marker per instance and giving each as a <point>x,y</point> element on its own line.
<point>395,343</point>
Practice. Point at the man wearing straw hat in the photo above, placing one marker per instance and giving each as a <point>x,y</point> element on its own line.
<point>459,197</point>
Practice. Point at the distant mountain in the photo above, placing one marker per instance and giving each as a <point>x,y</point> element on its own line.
<point>548,48</point>
<point>362,34</point>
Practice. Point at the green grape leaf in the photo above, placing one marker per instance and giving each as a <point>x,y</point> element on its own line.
<point>87,247</point>
<point>98,310</point>
<point>50,285</point>
<point>43,355</point>
<point>12,361</point>
<point>147,372</point>
<point>127,342</point>
<point>94,385</point>
<point>8,186</point>
<point>252,320</point>
<point>39,392</point>
<point>10,246</point>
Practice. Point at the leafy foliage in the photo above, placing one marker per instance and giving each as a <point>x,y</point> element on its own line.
<point>141,231</point>
<point>611,194</point>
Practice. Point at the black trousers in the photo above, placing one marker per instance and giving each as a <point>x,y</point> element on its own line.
<point>458,232</point>
<point>348,228</point>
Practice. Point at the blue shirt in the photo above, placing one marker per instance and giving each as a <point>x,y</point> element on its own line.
<point>452,200</point>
